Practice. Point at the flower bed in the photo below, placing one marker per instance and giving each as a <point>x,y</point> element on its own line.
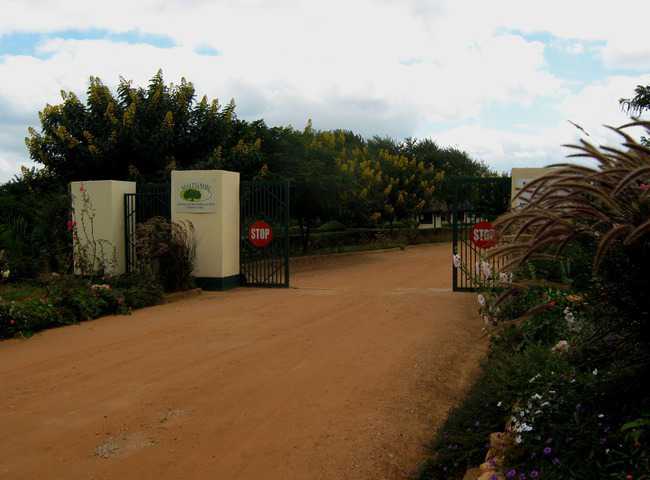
<point>564,391</point>
<point>63,300</point>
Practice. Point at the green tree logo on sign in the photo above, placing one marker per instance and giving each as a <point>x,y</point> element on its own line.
<point>191,195</point>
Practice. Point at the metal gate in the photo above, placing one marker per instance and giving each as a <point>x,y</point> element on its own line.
<point>475,200</point>
<point>264,236</point>
<point>152,200</point>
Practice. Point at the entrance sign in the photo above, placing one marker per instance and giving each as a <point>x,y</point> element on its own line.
<point>197,196</point>
<point>483,235</point>
<point>209,200</point>
<point>260,234</point>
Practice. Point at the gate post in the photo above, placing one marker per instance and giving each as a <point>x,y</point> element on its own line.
<point>209,199</point>
<point>98,215</point>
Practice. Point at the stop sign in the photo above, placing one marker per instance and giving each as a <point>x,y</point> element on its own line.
<point>483,235</point>
<point>260,234</point>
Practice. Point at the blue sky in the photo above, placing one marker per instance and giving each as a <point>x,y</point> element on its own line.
<point>498,79</point>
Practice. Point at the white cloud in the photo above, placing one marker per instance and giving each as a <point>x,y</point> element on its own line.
<point>592,108</point>
<point>633,57</point>
<point>375,66</point>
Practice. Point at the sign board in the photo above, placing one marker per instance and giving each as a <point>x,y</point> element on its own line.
<point>483,235</point>
<point>260,234</point>
<point>196,197</point>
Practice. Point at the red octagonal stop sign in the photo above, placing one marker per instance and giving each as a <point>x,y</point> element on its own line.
<point>260,234</point>
<point>483,235</point>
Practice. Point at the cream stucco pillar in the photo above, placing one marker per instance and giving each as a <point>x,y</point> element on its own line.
<point>209,199</point>
<point>522,177</point>
<point>98,215</point>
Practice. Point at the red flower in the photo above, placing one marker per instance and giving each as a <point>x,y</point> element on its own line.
<point>12,322</point>
<point>70,225</point>
<point>644,186</point>
<point>551,303</point>
<point>81,188</point>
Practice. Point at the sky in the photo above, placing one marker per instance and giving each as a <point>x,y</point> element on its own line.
<point>499,79</point>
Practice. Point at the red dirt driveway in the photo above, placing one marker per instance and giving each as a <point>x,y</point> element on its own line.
<point>344,376</point>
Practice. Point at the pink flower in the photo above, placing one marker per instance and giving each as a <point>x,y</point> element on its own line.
<point>70,225</point>
<point>644,186</point>
<point>82,188</point>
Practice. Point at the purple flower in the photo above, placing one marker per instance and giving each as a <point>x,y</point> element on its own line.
<point>534,474</point>
<point>547,450</point>
<point>511,473</point>
<point>494,477</point>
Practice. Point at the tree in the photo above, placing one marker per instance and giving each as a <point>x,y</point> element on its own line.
<point>141,133</point>
<point>639,103</point>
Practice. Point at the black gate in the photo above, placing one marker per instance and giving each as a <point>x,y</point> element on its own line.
<point>264,220</point>
<point>475,200</point>
<point>151,200</point>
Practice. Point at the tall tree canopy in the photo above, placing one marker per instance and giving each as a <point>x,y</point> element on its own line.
<point>144,132</point>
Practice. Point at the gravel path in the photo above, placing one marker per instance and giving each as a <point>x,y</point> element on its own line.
<point>344,376</point>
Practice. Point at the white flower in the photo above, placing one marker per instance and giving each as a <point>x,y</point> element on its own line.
<point>499,404</point>
<point>486,269</point>
<point>601,416</point>
<point>456,260</point>
<point>505,277</point>
<point>518,439</point>
<point>6,273</point>
<point>595,372</point>
<point>561,347</point>
<point>481,299</point>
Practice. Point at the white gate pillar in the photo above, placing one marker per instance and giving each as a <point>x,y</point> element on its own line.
<point>98,216</point>
<point>209,199</point>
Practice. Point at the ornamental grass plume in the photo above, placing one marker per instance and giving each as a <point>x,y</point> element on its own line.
<point>607,202</point>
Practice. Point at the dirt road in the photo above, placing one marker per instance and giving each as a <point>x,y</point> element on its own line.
<point>343,376</point>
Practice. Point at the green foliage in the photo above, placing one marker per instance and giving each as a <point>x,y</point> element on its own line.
<point>138,290</point>
<point>584,407</point>
<point>331,226</point>
<point>34,210</point>
<point>570,335</point>
<point>602,211</point>
<point>62,300</point>
<point>27,316</point>
<point>137,133</point>
<point>143,133</point>
<point>639,103</point>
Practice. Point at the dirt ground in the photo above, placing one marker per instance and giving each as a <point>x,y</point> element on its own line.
<point>344,376</point>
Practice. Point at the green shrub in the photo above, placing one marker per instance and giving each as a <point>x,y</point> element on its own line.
<point>27,317</point>
<point>506,377</point>
<point>331,226</point>
<point>138,290</point>
<point>63,300</point>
